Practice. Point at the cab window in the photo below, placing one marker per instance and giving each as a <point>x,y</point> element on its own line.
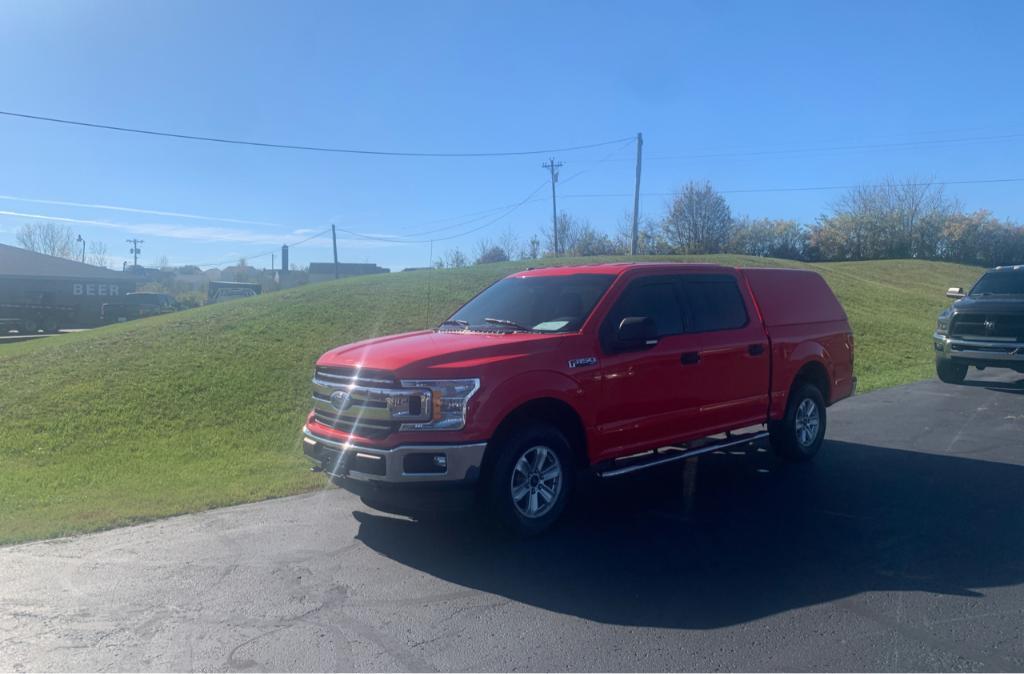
<point>713,302</point>
<point>654,297</point>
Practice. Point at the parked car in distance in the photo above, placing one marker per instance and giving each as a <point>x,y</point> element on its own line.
<point>983,328</point>
<point>137,305</point>
<point>607,368</point>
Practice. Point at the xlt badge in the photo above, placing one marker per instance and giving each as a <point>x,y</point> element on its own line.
<point>583,362</point>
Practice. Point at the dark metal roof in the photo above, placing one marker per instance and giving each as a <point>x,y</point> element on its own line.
<point>346,268</point>
<point>24,263</point>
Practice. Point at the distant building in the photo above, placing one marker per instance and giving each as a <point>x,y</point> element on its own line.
<point>28,278</point>
<point>324,271</point>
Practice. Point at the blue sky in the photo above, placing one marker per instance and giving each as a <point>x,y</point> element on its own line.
<point>765,87</point>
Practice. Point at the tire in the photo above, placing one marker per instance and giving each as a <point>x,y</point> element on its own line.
<point>799,435</point>
<point>531,479</point>
<point>50,326</point>
<point>28,327</point>
<point>950,373</point>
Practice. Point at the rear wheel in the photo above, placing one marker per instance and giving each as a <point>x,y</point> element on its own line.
<point>532,478</point>
<point>28,327</point>
<point>950,373</point>
<point>798,436</point>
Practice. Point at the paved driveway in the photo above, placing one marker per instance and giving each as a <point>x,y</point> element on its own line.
<point>900,548</point>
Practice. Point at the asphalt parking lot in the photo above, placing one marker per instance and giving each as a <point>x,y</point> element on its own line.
<point>900,548</point>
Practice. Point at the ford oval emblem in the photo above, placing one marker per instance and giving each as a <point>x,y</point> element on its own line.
<point>341,400</point>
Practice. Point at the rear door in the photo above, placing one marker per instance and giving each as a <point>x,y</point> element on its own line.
<point>646,394</point>
<point>734,359</point>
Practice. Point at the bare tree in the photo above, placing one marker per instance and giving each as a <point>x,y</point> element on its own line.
<point>698,220</point>
<point>454,259</point>
<point>649,232</point>
<point>97,253</point>
<point>47,238</point>
<point>894,219</point>
<point>568,235</point>
<point>509,243</point>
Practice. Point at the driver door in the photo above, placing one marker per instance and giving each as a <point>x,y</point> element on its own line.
<point>645,400</point>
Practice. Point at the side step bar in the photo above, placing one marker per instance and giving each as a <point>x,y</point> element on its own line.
<point>669,454</point>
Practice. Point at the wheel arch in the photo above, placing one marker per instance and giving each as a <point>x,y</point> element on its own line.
<point>815,373</point>
<point>554,411</point>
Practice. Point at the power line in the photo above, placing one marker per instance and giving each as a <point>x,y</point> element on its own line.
<point>254,257</point>
<point>832,148</point>
<point>798,189</point>
<point>307,148</point>
<point>493,221</point>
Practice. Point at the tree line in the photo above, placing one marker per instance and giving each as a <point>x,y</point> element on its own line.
<point>893,220</point>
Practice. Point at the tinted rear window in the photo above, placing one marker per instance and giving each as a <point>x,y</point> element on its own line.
<point>713,303</point>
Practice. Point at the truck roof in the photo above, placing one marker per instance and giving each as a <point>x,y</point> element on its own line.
<point>617,268</point>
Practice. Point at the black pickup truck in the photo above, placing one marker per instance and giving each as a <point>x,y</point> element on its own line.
<point>983,328</point>
<point>137,305</point>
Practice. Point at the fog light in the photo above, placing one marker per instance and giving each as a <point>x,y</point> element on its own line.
<point>425,464</point>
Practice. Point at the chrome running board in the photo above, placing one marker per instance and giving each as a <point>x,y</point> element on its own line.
<point>669,454</point>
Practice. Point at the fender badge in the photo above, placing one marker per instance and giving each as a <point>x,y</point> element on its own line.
<point>582,362</point>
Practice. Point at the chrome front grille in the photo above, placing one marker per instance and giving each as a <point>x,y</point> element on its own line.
<point>368,403</point>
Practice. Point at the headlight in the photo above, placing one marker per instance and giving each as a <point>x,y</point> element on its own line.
<point>942,325</point>
<point>449,397</point>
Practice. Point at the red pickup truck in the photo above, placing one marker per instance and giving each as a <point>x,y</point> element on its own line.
<point>608,368</point>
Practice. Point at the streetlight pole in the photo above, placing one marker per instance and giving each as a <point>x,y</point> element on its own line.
<point>81,241</point>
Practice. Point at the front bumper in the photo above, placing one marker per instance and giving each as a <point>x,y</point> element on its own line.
<point>405,464</point>
<point>971,351</point>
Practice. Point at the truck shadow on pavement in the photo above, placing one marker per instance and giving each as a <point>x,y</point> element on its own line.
<point>754,537</point>
<point>999,386</point>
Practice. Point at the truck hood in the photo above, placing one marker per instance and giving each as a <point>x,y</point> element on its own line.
<point>430,354</point>
<point>992,304</point>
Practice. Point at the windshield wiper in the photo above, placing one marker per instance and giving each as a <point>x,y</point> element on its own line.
<point>455,321</point>
<point>511,324</point>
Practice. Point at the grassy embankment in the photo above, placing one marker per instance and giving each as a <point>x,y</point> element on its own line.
<point>200,409</point>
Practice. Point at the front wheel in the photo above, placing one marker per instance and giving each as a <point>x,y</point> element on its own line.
<point>802,430</point>
<point>950,373</point>
<point>532,478</point>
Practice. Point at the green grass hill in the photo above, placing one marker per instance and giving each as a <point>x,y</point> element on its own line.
<point>203,408</point>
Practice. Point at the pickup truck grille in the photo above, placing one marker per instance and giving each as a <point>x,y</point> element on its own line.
<point>363,428</point>
<point>368,403</point>
<point>1009,327</point>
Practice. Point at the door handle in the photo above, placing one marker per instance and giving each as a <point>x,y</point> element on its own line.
<point>755,349</point>
<point>690,358</point>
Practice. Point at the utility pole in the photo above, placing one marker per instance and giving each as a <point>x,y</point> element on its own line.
<point>272,262</point>
<point>636,195</point>
<point>334,241</point>
<point>135,250</point>
<point>552,166</point>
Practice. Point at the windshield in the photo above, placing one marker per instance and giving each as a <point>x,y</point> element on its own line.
<point>1000,283</point>
<point>532,303</point>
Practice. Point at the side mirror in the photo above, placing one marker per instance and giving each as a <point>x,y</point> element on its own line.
<point>955,293</point>
<point>636,332</point>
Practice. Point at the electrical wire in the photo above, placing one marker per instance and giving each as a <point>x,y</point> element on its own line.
<point>797,189</point>
<point>308,148</point>
<point>493,221</point>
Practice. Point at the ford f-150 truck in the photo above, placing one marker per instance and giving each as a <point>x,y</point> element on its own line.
<point>983,328</point>
<point>608,368</point>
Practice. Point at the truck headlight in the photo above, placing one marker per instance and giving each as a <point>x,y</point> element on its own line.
<point>942,325</point>
<point>449,397</point>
